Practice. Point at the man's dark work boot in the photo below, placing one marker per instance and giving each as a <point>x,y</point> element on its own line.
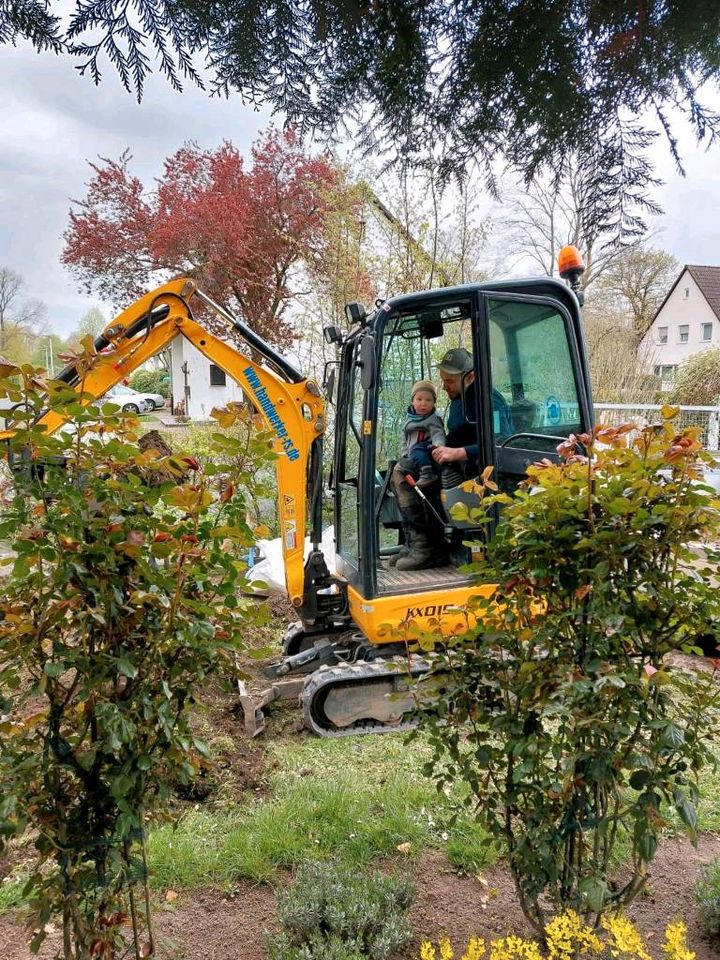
<point>421,555</point>
<point>427,477</point>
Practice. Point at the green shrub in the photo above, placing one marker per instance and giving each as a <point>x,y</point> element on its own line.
<point>698,379</point>
<point>707,896</point>
<point>151,381</point>
<point>120,598</point>
<point>237,447</point>
<point>333,913</point>
<point>565,718</point>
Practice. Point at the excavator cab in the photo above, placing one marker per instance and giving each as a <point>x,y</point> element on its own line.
<point>533,387</point>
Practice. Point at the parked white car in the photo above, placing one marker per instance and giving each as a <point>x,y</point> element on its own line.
<point>127,395</point>
<point>128,401</point>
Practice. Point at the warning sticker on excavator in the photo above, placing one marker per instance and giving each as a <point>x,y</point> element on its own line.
<point>290,534</point>
<point>367,428</point>
<point>289,504</point>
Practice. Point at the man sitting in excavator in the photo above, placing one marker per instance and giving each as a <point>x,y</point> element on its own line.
<point>424,539</point>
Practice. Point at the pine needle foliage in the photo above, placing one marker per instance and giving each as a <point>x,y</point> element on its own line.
<point>467,81</point>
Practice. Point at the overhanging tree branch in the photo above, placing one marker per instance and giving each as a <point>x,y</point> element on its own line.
<point>468,82</point>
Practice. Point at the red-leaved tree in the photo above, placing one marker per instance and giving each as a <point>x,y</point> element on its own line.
<point>237,230</point>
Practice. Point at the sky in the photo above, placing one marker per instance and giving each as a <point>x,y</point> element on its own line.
<point>54,121</point>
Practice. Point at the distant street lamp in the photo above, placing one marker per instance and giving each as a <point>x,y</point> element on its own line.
<point>47,346</point>
<point>49,356</point>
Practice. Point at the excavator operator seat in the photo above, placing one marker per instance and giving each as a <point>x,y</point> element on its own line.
<point>524,415</point>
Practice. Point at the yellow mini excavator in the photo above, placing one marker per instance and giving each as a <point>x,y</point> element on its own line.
<point>343,659</point>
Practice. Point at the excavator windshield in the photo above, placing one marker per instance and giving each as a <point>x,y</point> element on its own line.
<point>414,341</point>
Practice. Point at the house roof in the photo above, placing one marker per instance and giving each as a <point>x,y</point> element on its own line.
<point>707,279</point>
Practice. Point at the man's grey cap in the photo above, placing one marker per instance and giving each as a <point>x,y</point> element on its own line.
<point>456,361</point>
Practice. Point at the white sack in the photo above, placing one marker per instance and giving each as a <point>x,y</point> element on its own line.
<point>270,570</point>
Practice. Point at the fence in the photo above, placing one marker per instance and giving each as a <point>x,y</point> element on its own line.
<point>707,418</point>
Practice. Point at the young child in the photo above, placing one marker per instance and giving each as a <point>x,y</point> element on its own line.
<point>423,427</point>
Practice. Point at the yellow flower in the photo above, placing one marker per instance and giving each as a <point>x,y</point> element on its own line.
<point>626,941</point>
<point>427,951</point>
<point>567,936</point>
<point>514,948</point>
<point>446,950</point>
<point>475,949</point>
<point>675,945</point>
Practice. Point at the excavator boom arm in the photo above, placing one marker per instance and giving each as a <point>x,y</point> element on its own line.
<point>291,405</point>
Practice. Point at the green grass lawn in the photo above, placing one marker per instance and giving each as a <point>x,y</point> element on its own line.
<point>11,891</point>
<point>352,800</point>
<point>356,801</point>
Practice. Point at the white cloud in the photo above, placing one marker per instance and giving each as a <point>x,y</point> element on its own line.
<point>690,225</point>
<point>53,121</point>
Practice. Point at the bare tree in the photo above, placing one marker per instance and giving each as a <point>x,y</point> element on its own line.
<point>421,240</point>
<point>617,376</point>
<point>463,240</point>
<point>574,207</point>
<point>404,235</point>
<point>20,316</point>
<point>618,312</point>
<point>10,286</point>
<point>637,281</point>
<point>90,324</point>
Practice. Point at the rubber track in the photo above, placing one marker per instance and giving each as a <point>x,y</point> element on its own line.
<point>359,672</point>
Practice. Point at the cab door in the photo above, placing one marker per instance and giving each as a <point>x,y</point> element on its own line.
<point>533,380</point>
<point>355,463</point>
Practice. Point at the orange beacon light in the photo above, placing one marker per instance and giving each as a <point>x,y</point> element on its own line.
<point>571,266</point>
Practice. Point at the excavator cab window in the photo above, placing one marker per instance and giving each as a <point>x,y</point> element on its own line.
<point>535,378</point>
<point>414,342</point>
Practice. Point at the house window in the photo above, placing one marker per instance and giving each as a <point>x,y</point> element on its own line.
<point>217,376</point>
<point>684,332</point>
<point>707,331</point>
<point>662,334</point>
<point>667,376</point>
<point>686,293</point>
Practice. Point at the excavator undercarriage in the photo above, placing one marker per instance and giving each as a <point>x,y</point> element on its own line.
<point>344,687</point>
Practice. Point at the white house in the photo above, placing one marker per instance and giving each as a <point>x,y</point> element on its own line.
<point>197,384</point>
<point>687,322</point>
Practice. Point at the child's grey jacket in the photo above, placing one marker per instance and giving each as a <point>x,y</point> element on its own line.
<point>430,428</point>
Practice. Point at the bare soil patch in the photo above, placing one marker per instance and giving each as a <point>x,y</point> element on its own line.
<point>239,763</point>
<point>212,925</point>
<point>461,907</point>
